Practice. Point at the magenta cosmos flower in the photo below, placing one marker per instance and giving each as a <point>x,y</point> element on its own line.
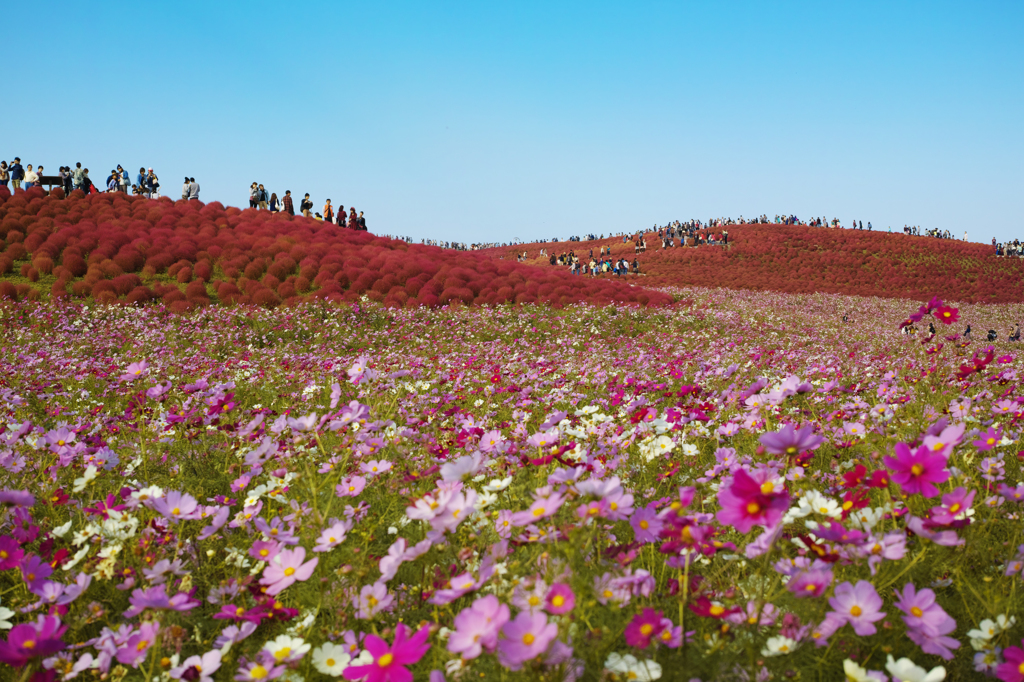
<point>643,628</point>
<point>859,605</point>
<point>286,569</point>
<point>946,314</point>
<point>32,640</point>
<point>791,441</point>
<point>917,471</point>
<point>1013,669</point>
<point>389,662</point>
<point>560,599</point>
<point>134,371</point>
<point>746,504</point>
<point>526,637</point>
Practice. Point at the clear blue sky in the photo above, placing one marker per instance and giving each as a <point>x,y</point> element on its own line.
<point>487,121</point>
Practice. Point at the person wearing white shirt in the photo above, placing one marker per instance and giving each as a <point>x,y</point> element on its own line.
<point>31,177</point>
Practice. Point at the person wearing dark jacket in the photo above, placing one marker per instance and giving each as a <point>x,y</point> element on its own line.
<point>17,173</point>
<point>362,222</point>
<point>289,208</point>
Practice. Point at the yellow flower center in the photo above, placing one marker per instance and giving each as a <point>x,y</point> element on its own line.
<point>264,552</point>
<point>29,644</point>
<point>240,610</point>
<point>534,600</point>
<point>289,571</point>
<point>258,672</point>
<point>917,469</point>
<point>329,662</point>
<point>644,524</point>
<point>557,600</point>
<point>538,512</point>
<point>954,508</point>
<point>753,508</point>
<point>646,629</point>
<point>176,511</point>
<point>767,488</point>
<point>283,653</point>
<point>716,610</point>
<point>916,611</point>
<point>855,611</point>
<point>528,638</point>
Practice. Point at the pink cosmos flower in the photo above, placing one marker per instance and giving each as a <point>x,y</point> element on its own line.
<point>176,506</point>
<point>375,467</point>
<point>32,640</point>
<point>264,550</point>
<point>859,605</point>
<point>360,373</point>
<point>745,505</point>
<point>351,486</point>
<point>542,508</point>
<point>560,599</point>
<point>989,439</point>
<point>526,638</point>
<point>917,471</point>
<point>156,598</point>
<point>953,505</point>
<point>198,668</point>
<point>372,599</point>
<point>477,627</point>
<point>791,441</point>
<point>389,662</point>
<point>136,647</point>
<point>286,569</point>
<point>811,583</point>
<point>333,535</point>
<point>134,371</point>
<point>927,623</point>
<point>643,627</point>
<point>646,524</point>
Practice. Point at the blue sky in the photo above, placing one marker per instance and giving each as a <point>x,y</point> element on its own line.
<point>488,121</point>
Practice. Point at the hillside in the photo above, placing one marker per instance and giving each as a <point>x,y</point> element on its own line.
<point>112,247</point>
<point>802,259</point>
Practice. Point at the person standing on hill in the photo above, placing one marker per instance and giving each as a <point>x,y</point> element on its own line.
<point>184,189</point>
<point>274,205</point>
<point>18,174</point>
<point>5,175</point>
<point>193,190</point>
<point>362,222</point>
<point>353,219</point>
<point>328,212</point>
<point>140,179</point>
<point>289,207</point>
<point>342,221</point>
<point>306,205</point>
<point>122,179</point>
<point>31,178</point>
<point>261,197</point>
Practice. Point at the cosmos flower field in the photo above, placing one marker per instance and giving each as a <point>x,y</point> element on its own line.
<point>742,487</point>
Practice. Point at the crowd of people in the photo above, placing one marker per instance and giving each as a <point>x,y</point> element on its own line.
<point>261,199</point>
<point>1012,335</point>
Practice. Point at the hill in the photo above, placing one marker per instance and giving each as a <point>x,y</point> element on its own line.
<point>801,259</point>
<point>113,247</point>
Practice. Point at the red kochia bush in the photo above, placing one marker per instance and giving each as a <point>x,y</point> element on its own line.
<point>266,259</point>
<point>8,291</point>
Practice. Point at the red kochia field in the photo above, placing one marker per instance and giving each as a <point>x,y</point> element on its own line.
<point>111,247</point>
<point>800,259</point>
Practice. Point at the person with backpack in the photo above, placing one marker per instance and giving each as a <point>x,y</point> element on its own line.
<point>306,205</point>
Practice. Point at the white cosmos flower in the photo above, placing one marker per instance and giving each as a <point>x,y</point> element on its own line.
<point>286,649</point>
<point>904,670</point>
<point>778,646</point>
<point>86,479</point>
<point>331,659</point>
<point>632,669</point>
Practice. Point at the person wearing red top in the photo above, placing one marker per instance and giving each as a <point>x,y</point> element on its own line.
<point>289,207</point>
